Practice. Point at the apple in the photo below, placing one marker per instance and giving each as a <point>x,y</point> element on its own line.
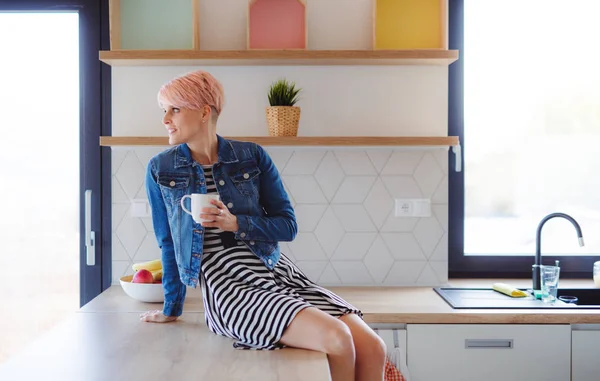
<point>142,276</point>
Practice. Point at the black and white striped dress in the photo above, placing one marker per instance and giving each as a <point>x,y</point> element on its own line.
<point>249,303</point>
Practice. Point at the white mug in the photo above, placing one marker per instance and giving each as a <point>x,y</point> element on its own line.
<point>199,201</point>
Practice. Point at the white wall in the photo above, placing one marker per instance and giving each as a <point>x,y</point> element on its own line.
<point>336,100</point>
<point>344,201</point>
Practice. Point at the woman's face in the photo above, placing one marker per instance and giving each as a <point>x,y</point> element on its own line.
<point>182,124</point>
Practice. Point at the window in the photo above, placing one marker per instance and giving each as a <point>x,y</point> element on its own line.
<point>524,98</point>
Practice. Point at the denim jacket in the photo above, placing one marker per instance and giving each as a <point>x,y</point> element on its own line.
<point>249,185</point>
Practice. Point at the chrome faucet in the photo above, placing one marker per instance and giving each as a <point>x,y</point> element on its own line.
<point>538,240</point>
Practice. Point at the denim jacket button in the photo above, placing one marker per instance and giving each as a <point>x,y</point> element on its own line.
<point>221,182</point>
<point>251,242</point>
<point>230,205</point>
<point>172,183</point>
<point>242,235</point>
<point>246,176</point>
<point>270,262</point>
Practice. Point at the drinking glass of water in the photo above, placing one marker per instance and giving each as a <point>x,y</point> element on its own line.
<point>549,279</point>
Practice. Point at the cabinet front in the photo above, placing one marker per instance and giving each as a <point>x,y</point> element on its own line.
<point>586,345</point>
<point>458,352</point>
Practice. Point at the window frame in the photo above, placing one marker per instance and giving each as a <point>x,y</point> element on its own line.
<point>485,266</point>
<point>95,121</point>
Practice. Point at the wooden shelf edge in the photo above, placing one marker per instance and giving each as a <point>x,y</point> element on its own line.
<point>111,141</point>
<point>278,57</point>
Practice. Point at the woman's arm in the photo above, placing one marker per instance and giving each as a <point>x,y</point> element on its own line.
<point>280,222</point>
<point>173,287</point>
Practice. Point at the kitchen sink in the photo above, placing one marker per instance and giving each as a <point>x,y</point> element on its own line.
<point>587,296</point>
<point>488,298</point>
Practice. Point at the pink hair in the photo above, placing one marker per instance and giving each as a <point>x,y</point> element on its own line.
<point>193,90</point>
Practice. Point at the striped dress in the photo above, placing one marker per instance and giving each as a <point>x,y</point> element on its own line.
<point>249,303</point>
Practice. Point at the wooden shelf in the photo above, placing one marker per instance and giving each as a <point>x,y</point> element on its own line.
<point>277,57</point>
<point>298,140</point>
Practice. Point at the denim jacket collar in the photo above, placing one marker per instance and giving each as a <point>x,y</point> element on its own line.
<point>183,156</point>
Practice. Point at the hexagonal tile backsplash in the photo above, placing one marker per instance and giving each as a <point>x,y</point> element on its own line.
<point>344,202</point>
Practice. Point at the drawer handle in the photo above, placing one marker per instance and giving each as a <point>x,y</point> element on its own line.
<point>485,343</point>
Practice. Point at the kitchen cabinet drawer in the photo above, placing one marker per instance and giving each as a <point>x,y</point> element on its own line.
<point>585,347</point>
<point>489,352</point>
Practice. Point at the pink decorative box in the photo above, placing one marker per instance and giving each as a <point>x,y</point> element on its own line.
<point>277,24</point>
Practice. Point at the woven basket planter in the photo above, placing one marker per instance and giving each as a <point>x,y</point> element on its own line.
<point>283,120</point>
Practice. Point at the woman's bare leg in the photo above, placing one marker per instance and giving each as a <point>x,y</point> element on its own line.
<point>316,330</point>
<point>370,349</point>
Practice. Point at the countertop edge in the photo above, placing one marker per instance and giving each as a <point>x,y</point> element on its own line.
<point>482,318</point>
<point>385,305</point>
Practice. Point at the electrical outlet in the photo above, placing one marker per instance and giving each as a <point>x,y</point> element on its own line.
<point>140,208</point>
<point>412,207</point>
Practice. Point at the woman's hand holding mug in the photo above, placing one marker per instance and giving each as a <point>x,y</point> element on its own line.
<point>219,217</point>
<point>210,212</point>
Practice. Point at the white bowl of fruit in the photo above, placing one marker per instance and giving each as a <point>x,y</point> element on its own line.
<point>145,284</point>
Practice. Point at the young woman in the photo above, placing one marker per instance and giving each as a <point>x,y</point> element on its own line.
<point>252,292</point>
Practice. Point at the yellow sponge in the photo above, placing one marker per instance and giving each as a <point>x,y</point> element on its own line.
<point>509,290</point>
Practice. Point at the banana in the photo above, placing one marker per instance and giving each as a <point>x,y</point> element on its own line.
<point>157,275</point>
<point>153,265</point>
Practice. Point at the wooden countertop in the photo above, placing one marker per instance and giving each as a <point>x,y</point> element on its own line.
<point>105,340</point>
<point>395,305</point>
<point>117,346</point>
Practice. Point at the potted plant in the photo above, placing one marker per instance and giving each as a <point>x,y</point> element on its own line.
<point>283,117</point>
